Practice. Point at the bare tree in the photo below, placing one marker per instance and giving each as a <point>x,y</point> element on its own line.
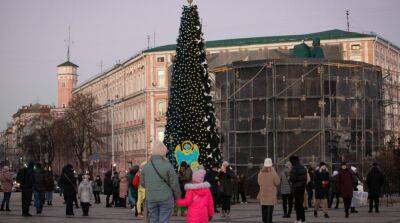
<point>80,127</point>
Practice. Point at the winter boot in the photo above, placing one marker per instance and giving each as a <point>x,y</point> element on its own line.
<point>353,210</point>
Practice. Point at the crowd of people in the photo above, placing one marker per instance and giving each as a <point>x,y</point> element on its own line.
<point>155,191</point>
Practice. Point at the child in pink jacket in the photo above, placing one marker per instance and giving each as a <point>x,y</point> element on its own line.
<point>198,198</point>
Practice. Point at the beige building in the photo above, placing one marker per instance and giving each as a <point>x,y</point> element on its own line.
<point>136,91</point>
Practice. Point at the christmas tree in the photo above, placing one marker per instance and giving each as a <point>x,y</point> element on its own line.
<point>191,133</point>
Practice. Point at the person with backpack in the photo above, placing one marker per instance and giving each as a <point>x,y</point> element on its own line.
<point>286,190</point>
<point>68,183</point>
<point>161,182</point>
<point>298,178</point>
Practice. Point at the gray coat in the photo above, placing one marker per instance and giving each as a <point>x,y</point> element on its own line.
<point>156,189</point>
<point>285,187</point>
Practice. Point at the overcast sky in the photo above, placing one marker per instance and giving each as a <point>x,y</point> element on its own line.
<point>32,33</point>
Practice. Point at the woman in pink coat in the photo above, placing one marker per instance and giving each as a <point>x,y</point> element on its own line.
<point>198,198</point>
<point>7,184</point>
<point>123,188</point>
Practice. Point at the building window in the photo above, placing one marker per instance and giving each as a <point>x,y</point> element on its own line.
<point>160,59</point>
<point>355,47</point>
<point>161,78</point>
<point>63,84</point>
<point>161,108</point>
<point>160,134</point>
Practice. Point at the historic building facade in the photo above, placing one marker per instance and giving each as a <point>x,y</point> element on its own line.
<point>132,96</point>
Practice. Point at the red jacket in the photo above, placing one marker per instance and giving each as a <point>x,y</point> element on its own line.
<point>346,183</point>
<point>199,201</point>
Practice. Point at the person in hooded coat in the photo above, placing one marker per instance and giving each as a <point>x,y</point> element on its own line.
<point>68,184</point>
<point>108,187</point>
<point>85,194</point>
<point>26,179</point>
<point>375,181</point>
<point>268,180</point>
<point>198,199</point>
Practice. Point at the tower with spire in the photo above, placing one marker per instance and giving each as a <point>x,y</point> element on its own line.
<point>67,79</point>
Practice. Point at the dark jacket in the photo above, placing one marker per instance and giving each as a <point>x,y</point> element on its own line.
<point>311,185</point>
<point>242,183</point>
<point>298,175</point>
<point>115,181</point>
<point>212,177</point>
<point>375,180</point>
<point>40,181</point>
<point>322,183</point>
<point>26,178</point>
<point>345,181</point>
<point>68,182</point>
<point>226,179</point>
<point>49,181</point>
<point>335,184</point>
<point>108,184</point>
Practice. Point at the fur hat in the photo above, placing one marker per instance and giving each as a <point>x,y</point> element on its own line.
<point>335,173</point>
<point>159,149</point>
<point>268,162</point>
<point>198,176</point>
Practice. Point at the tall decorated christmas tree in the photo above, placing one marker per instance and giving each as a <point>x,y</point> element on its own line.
<point>191,133</point>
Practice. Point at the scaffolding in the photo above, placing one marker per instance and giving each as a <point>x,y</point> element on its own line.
<point>318,109</point>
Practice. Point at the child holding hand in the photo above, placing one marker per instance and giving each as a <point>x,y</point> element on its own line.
<point>198,199</point>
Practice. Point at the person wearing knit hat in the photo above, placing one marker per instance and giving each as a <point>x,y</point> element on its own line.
<point>161,182</point>
<point>85,194</point>
<point>198,198</point>
<point>268,180</point>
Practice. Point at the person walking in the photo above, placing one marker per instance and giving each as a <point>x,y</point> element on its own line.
<point>198,199</point>
<point>85,194</point>
<point>335,192</point>
<point>212,177</point>
<point>49,178</point>
<point>97,185</point>
<point>185,177</point>
<point>298,179</point>
<point>108,188</point>
<point>39,188</point>
<point>226,178</point>
<point>123,189</point>
<point>6,182</point>
<point>375,181</point>
<point>286,190</point>
<point>141,192</point>
<point>115,190</point>
<point>310,188</point>
<point>268,180</point>
<point>25,178</point>
<point>322,183</point>
<point>161,182</point>
<point>242,186</point>
<point>132,191</point>
<point>68,183</point>
<point>345,182</point>
<point>356,181</point>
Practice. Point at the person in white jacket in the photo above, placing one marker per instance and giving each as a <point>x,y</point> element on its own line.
<point>85,194</point>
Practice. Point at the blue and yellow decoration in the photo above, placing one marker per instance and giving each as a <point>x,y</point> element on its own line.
<point>188,152</point>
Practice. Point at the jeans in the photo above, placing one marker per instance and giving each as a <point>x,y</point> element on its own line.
<point>39,198</point>
<point>160,212</point>
<point>310,193</point>
<point>287,204</point>
<point>49,196</point>
<point>85,208</point>
<point>334,195</point>
<point>6,200</point>
<point>26,200</point>
<point>267,211</point>
<point>298,203</point>
<point>374,198</point>
<point>97,196</point>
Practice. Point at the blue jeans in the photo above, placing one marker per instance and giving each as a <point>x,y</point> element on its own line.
<point>39,198</point>
<point>49,195</point>
<point>160,212</point>
<point>6,200</point>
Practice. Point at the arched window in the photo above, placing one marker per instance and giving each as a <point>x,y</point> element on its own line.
<point>161,108</point>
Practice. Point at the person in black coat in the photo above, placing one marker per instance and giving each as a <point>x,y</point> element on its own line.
<point>298,179</point>
<point>108,187</point>
<point>39,188</point>
<point>322,184</point>
<point>68,184</point>
<point>25,178</point>
<point>49,187</point>
<point>375,181</point>
<point>212,177</point>
<point>115,193</point>
<point>310,187</point>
